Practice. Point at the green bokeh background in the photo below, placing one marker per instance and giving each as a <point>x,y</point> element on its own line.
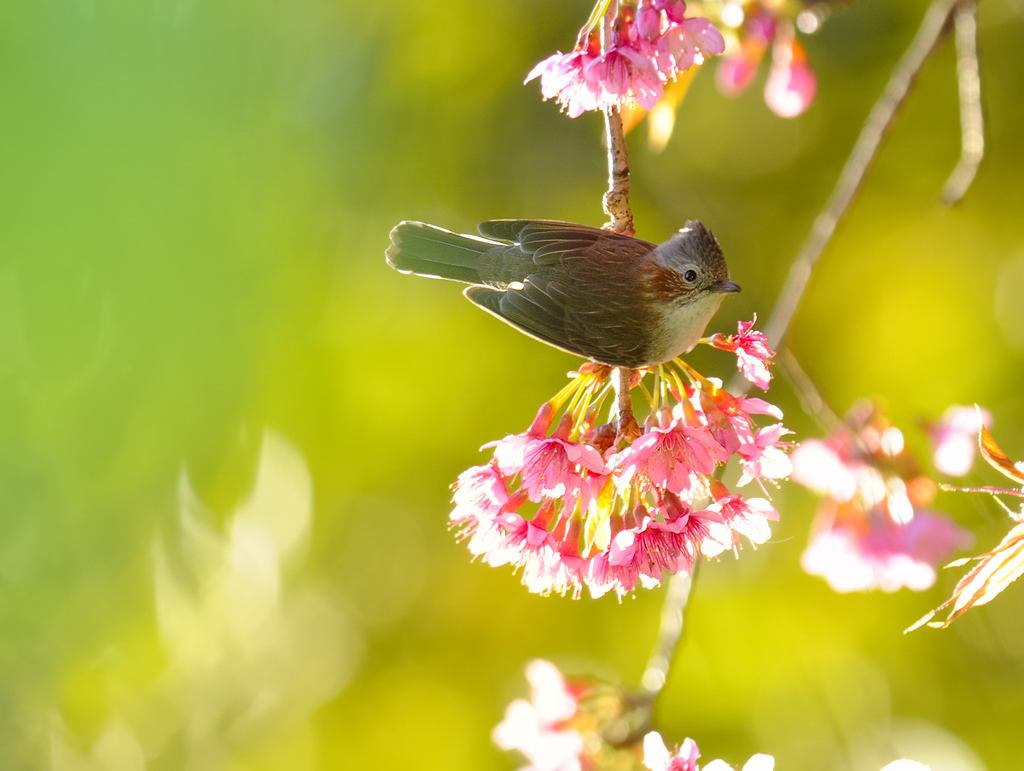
<point>194,204</point>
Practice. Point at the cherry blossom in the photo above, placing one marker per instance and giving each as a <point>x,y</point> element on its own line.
<point>752,352</point>
<point>650,45</point>
<point>573,503</point>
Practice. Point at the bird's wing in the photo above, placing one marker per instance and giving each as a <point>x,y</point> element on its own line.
<point>535,309</point>
<point>550,242</point>
<point>545,311</point>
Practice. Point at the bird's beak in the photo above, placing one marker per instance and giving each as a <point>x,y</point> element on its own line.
<point>725,286</point>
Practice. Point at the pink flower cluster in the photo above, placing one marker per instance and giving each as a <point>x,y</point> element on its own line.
<point>872,531</point>
<point>752,352</point>
<point>791,85</point>
<point>652,41</point>
<point>608,506</point>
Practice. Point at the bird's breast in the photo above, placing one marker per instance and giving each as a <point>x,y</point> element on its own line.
<point>682,325</point>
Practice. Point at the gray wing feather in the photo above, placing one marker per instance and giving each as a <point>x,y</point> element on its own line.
<point>540,309</point>
<point>517,310</point>
<point>565,299</point>
<point>551,242</point>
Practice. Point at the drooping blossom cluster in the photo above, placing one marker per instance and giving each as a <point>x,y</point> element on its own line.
<point>872,531</point>
<point>996,569</point>
<point>651,43</point>
<point>580,724</point>
<point>752,29</point>
<point>574,501</point>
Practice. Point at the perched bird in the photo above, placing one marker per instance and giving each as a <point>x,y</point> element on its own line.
<point>599,294</point>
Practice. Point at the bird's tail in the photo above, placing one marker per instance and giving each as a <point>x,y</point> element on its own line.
<point>431,251</point>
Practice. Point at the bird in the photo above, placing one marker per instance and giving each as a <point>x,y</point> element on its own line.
<point>605,296</point>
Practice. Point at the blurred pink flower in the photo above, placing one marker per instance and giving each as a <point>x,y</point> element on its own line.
<point>955,438</point>
<point>758,762</point>
<point>539,728</point>
<point>873,530</point>
<point>860,554</point>
<point>817,465</point>
<point>791,85</point>
<point>735,72</point>
<point>658,758</point>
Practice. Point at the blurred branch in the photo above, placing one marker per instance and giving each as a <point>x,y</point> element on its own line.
<point>972,121</point>
<point>673,612</point>
<point>851,179</point>
<point>811,399</point>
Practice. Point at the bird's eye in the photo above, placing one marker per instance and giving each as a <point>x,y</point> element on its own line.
<point>690,275</point>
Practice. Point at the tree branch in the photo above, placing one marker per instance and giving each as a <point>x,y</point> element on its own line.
<point>616,200</point>
<point>865,150</point>
<point>673,611</point>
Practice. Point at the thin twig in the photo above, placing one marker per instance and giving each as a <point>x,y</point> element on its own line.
<point>972,121</point>
<point>616,205</point>
<point>623,398</point>
<point>861,157</point>
<point>673,611</point>
<point>616,200</point>
<point>985,489</point>
<point>626,426</point>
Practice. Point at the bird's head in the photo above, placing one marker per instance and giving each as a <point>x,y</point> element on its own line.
<point>692,266</point>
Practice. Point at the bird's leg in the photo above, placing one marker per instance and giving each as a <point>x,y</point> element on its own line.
<point>626,426</point>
